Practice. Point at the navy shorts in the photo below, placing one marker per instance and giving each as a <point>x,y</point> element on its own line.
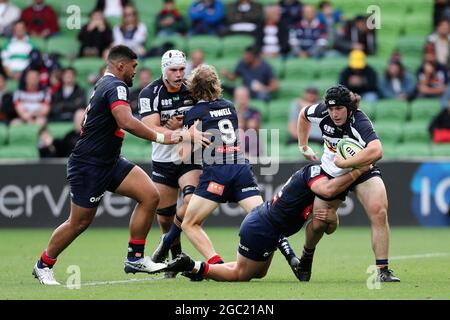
<point>89,182</point>
<point>168,173</point>
<point>374,172</point>
<point>227,183</point>
<point>258,238</point>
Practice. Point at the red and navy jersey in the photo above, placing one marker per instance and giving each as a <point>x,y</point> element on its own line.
<point>291,206</point>
<point>219,118</point>
<point>101,139</point>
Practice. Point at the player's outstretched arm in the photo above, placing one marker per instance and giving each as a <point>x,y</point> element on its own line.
<point>329,188</point>
<point>370,154</point>
<point>304,127</point>
<point>126,121</point>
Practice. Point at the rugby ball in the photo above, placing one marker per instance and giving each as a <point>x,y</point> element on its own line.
<point>348,147</point>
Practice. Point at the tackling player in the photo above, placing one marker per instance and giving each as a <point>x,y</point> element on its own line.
<point>339,117</point>
<point>227,176</point>
<point>162,105</point>
<point>260,231</point>
<point>95,166</point>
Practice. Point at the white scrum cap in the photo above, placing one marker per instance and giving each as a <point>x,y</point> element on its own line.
<point>172,58</point>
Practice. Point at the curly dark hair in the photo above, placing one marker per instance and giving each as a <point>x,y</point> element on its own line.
<point>341,96</point>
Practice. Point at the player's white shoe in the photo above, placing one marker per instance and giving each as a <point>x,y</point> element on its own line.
<point>144,265</point>
<point>45,276</point>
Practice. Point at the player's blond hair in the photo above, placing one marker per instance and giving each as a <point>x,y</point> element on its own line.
<point>204,83</point>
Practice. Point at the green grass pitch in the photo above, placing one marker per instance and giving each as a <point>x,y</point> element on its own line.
<point>420,257</point>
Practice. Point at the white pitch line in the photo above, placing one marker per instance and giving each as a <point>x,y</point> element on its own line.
<point>102,283</point>
<point>421,256</point>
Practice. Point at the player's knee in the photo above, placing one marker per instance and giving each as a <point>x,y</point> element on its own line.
<point>331,228</point>
<point>80,224</point>
<point>319,226</point>
<point>378,214</point>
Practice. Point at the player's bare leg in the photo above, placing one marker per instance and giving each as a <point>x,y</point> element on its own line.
<point>171,239</point>
<point>243,269</point>
<point>197,211</point>
<point>372,195</point>
<point>168,198</point>
<point>248,204</point>
<point>324,220</point>
<point>138,186</point>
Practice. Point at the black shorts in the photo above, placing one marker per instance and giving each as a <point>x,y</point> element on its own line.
<point>258,238</point>
<point>168,173</point>
<point>88,182</point>
<point>374,172</point>
<point>227,183</point>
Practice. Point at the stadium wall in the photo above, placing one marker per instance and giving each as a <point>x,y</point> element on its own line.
<point>36,195</point>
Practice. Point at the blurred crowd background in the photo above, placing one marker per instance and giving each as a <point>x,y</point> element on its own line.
<point>274,57</point>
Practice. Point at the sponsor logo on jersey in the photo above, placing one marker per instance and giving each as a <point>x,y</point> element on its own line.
<point>122,93</point>
<point>144,104</point>
<point>315,171</point>
<point>244,247</point>
<point>158,174</point>
<point>188,102</point>
<point>328,129</point>
<point>266,254</point>
<point>220,113</point>
<point>228,149</point>
<point>96,199</point>
<point>215,188</point>
<point>250,189</point>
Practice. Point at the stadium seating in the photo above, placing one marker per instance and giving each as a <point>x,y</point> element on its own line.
<point>391,110</point>
<point>416,132</point>
<point>60,129</point>
<point>388,131</point>
<point>424,109</point>
<point>64,45</point>
<point>234,46</point>
<point>25,135</point>
<point>210,45</point>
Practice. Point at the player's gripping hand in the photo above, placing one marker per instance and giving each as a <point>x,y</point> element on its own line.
<point>175,122</point>
<point>198,137</point>
<point>308,153</point>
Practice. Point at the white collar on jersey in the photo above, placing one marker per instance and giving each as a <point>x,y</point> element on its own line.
<point>108,74</point>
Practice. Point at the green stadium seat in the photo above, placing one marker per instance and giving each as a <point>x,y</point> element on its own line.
<point>305,69</point>
<point>281,127</point>
<point>368,109</point>
<point>416,132</point>
<point>24,135</point>
<point>65,45</point>
<point>234,46</point>
<point>87,66</point>
<point>228,63</point>
<point>291,88</point>
<point>331,68</point>
<point>12,85</point>
<point>425,109</point>
<point>279,110</point>
<point>3,41</point>
<point>3,134</point>
<point>441,150</point>
<point>40,43</point>
<point>86,6</point>
<point>19,152</point>
<point>136,151</point>
<point>413,150</point>
<point>154,64</point>
<point>411,45</point>
<point>59,129</point>
<point>412,63</point>
<point>178,42</point>
<point>389,150</point>
<point>377,63</point>
<point>278,66</point>
<point>210,45</point>
<point>388,131</point>
<point>391,110</point>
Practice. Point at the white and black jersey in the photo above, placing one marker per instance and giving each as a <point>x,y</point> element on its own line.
<point>155,98</point>
<point>358,127</point>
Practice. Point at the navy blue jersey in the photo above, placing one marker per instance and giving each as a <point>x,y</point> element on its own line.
<point>219,118</point>
<point>290,207</point>
<point>101,139</point>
